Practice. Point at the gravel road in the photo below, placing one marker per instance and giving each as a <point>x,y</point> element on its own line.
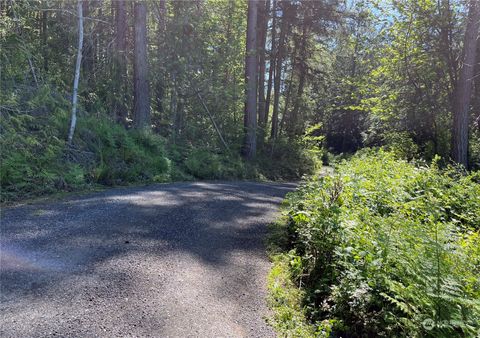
<point>174,260</point>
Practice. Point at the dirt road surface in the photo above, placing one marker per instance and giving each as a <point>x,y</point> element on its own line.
<point>173,260</point>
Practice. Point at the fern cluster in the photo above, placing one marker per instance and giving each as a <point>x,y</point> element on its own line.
<point>384,247</point>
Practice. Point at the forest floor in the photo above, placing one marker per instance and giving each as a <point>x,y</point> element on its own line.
<point>173,260</point>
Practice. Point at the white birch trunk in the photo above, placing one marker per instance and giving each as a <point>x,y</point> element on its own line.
<point>73,121</point>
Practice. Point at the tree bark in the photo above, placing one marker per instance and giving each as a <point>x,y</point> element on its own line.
<point>445,11</point>
<point>271,67</point>
<point>278,75</point>
<point>73,121</point>
<point>120,62</point>
<point>476,92</point>
<point>288,94</point>
<point>251,76</point>
<point>88,57</point>
<point>302,73</point>
<point>463,90</point>
<point>174,107</point>
<point>44,40</point>
<point>264,7</point>
<point>289,84</point>
<point>141,98</point>
<point>160,83</point>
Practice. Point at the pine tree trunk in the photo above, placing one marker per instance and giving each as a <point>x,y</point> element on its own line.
<point>141,98</point>
<point>288,94</point>
<point>463,90</point>
<point>302,73</point>
<point>264,7</point>
<point>44,37</point>
<point>251,77</point>
<point>120,62</point>
<point>278,76</point>
<point>476,92</point>
<point>88,49</point>
<point>160,83</point>
<point>272,63</point>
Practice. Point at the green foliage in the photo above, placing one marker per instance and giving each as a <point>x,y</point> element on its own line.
<point>409,91</point>
<point>205,164</point>
<point>285,298</point>
<point>388,248</point>
<point>35,159</point>
<point>401,144</point>
<point>27,161</point>
<point>475,150</point>
<point>289,318</point>
<point>121,156</point>
<point>287,158</point>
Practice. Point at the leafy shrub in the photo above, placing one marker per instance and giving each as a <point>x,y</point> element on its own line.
<point>288,159</point>
<point>388,248</point>
<point>120,155</point>
<point>474,150</point>
<point>401,144</point>
<point>30,165</point>
<point>286,300</point>
<point>205,164</point>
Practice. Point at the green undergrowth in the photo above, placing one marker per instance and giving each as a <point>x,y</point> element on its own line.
<point>36,161</point>
<point>380,248</point>
<point>285,295</point>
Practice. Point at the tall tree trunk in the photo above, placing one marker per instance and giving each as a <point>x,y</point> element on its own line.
<point>160,83</point>
<point>251,76</point>
<point>264,8</point>
<point>88,58</point>
<point>288,94</point>
<point>141,95</point>
<point>174,106</point>
<point>463,90</point>
<point>302,73</point>
<point>278,74</point>
<point>73,121</point>
<point>97,45</point>
<point>476,92</point>
<point>271,66</point>
<point>120,62</point>
<point>445,12</point>
<point>289,84</point>
<point>88,48</point>
<point>44,40</point>
<point>179,120</point>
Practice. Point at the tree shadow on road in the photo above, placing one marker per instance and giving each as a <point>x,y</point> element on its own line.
<point>88,241</point>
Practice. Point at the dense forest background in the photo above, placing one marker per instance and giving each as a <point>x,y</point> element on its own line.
<point>172,90</point>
